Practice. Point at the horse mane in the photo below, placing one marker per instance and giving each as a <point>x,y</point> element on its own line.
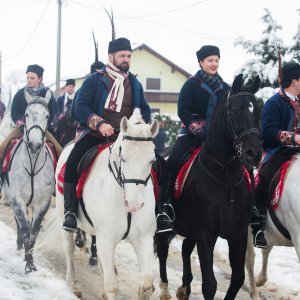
<point>136,117</point>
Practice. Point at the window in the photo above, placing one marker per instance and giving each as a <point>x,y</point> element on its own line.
<point>153,84</point>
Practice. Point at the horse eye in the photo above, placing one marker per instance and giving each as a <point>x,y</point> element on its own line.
<point>47,117</point>
<point>122,159</point>
<point>26,115</point>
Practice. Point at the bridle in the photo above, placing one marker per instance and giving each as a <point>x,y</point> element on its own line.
<point>117,170</point>
<point>32,172</point>
<point>237,141</point>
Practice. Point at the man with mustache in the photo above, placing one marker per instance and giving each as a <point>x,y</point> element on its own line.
<point>104,98</point>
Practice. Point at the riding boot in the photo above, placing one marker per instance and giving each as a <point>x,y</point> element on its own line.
<point>259,239</point>
<point>166,214</point>
<point>71,207</point>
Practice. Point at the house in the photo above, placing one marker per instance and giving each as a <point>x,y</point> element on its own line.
<point>161,79</point>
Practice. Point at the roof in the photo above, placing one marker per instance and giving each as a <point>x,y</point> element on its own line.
<point>159,56</point>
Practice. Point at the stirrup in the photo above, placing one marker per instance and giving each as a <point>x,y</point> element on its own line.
<point>68,228</point>
<point>169,207</point>
<point>169,220</point>
<point>262,242</point>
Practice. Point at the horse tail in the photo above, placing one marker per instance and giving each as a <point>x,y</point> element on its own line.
<point>162,240</point>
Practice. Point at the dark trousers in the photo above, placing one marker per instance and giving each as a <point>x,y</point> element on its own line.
<point>79,150</point>
<point>182,146</point>
<point>267,178</point>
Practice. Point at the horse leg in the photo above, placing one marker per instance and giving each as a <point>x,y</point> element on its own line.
<point>144,249</point>
<point>237,257</point>
<point>24,232</point>
<point>93,261</point>
<point>69,248</point>
<point>109,284</point>
<point>184,291</point>
<point>205,247</point>
<point>79,239</point>
<point>162,249</point>
<point>263,275</point>
<point>250,260</point>
<point>19,237</point>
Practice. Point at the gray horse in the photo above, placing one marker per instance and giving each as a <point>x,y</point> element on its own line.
<point>29,183</point>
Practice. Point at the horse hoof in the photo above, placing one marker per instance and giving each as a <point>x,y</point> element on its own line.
<point>78,294</point>
<point>30,267</point>
<point>183,293</point>
<point>93,261</point>
<point>145,294</point>
<point>79,243</point>
<point>164,293</point>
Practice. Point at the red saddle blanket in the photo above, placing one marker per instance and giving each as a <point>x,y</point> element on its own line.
<point>185,170</point>
<point>86,172</point>
<point>276,195</point>
<point>13,146</point>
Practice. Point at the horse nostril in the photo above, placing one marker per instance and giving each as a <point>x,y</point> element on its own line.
<point>30,144</point>
<point>142,204</point>
<point>250,154</point>
<point>126,203</point>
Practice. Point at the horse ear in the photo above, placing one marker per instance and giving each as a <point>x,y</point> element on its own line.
<point>154,127</point>
<point>48,96</point>
<point>27,96</point>
<point>124,124</point>
<point>256,85</point>
<point>237,84</point>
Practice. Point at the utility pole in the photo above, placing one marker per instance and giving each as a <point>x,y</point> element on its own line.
<point>58,48</point>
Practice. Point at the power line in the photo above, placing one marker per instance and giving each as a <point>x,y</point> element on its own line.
<point>32,33</point>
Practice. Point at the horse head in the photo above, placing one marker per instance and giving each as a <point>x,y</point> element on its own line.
<point>36,121</point>
<point>134,157</point>
<point>243,118</point>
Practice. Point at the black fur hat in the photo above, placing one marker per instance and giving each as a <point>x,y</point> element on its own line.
<point>97,65</point>
<point>70,82</point>
<point>290,71</point>
<point>119,44</point>
<point>35,69</point>
<point>207,50</point>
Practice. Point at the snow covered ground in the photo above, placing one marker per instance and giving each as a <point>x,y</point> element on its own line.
<point>284,272</point>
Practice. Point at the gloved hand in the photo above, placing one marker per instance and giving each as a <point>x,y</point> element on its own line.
<point>21,128</point>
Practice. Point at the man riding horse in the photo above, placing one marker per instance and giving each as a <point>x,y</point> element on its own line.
<point>104,98</point>
<point>280,132</point>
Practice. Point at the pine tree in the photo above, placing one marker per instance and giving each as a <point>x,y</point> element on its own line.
<point>295,48</point>
<point>265,51</point>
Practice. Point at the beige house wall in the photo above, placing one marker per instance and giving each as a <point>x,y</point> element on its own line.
<point>146,65</point>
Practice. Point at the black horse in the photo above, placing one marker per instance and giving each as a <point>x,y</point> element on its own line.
<point>65,129</point>
<point>216,198</point>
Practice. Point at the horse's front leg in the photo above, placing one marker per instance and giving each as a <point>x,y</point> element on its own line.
<point>263,275</point>
<point>188,246</point>
<point>108,284</point>
<point>205,247</point>
<point>24,232</point>
<point>250,260</point>
<point>144,249</point>
<point>69,248</point>
<point>237,256</point>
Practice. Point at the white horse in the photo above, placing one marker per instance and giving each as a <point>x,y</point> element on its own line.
<point>288,214</point>
<point>118,188</point>
<point>29,182</point>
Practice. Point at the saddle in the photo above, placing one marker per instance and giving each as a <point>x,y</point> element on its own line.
<point>274,172</point>
<point>84,169</point>
<point>12,147</point>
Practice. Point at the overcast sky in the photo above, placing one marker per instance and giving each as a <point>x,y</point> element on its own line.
<point>174,28</point>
